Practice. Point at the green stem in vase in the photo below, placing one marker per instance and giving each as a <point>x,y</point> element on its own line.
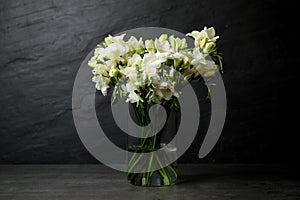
<point>174,170</point>
<point>151,159</point>
<point>165,175</point>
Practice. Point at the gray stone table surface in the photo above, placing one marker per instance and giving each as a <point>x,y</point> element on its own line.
<point>206,181</point>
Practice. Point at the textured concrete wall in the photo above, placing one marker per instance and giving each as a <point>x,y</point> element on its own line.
<point>42,44</point>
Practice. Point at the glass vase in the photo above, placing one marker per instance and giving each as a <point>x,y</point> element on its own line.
<point>165,176</point>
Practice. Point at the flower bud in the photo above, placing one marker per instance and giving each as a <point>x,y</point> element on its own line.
<point>203,42</point>
<point>209,46</point>
<point>163,37</point>
<point>150,45</point>
<point>183,43</point>
<point>107,41</point>
<point>172,42</point>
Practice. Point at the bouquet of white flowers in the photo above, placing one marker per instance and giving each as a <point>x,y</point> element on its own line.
<point>140,62</point>
<point>137,70</point>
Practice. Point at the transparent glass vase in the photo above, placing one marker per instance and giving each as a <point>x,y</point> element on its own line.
<point>165,176</point>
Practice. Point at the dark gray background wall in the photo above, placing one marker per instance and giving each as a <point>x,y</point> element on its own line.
<point>43,42</point>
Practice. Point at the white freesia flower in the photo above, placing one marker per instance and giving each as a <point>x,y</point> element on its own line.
<point>163,90</point>
<point>115,51</point>
<point>130,87</point>
<point>177,44</point>
<point>135,60</point>
<point>202,65</point>
<point>162,57</point>
<point>102,83</point>
<point>180,56</point>
<point>93,62</point>
<point>132,96</point>
<point>103,68</point>
<point>131,74</point>
<point>150,72</point>
<point>135,44</point>
<point>162,45</point>
<point>198,57</point>
<point>115,39</point>
<point>204,37</point>
<point>151,62</point>
<point>154,59</point>
<point>100,53</point>
<point>131,71</point>
<point>100,69</point>
<point>208,33</point>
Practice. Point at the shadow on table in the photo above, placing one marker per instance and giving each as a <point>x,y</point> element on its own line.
<point>197,178</point>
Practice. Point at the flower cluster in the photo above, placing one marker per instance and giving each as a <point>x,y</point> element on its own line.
<point>138,64</point>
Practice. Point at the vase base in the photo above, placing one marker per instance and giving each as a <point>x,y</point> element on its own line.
<point>166,176</point>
